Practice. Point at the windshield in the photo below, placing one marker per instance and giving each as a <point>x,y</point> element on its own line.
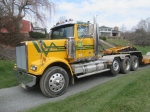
<point>62,32</point>
<point>83,31</point>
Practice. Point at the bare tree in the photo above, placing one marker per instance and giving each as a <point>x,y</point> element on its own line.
<point>144,24</point>
<point>1,15</point>
<point>1,10</point>
<point>142,32</point>
<point>123,28</point>
<point>17,9</point>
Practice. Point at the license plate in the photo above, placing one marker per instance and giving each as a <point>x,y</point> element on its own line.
<point>23,86</point>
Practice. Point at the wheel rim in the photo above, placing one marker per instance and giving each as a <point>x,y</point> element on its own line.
<point>56,82</point>
<point>127,65</point>
<point>115,65</point>
<point>135,63</point>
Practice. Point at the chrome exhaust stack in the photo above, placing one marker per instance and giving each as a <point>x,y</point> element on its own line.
<point>96,36</point>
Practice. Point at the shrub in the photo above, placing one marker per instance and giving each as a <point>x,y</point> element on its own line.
<point>11,39</point>
<point>37,35</point>
<point>103,38</point>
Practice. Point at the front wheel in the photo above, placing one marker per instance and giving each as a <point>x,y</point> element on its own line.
<point>54,81</point>
<point>115,67</point>
<point>125,65</point>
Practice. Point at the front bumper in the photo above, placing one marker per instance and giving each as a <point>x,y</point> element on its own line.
<point>24,78</point>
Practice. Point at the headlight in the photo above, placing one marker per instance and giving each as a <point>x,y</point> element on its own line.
<point>33,67</point>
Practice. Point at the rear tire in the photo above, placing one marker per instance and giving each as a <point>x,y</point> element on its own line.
<point>54,82</point>
<point>115,67</point>
<point>134,63</point>
<point>125,65</point>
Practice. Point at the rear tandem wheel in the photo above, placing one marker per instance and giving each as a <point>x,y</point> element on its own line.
<point>134,63</point>
<point>115,67</point>
<point>125,65</point>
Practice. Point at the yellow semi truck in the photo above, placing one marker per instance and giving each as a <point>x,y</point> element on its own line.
<point>71,52</point>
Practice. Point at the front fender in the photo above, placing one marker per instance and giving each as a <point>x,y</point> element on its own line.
<point>41,66</point>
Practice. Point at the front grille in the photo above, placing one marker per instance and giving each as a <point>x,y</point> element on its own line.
<point>21,57</point>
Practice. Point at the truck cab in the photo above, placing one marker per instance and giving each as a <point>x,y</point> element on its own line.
<point>81,43</point>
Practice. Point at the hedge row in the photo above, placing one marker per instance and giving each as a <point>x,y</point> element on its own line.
<point>103,38</point>
<point>11,39</point>
<point>37,35</point>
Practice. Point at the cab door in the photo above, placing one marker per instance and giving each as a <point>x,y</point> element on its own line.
<point>84,43</point>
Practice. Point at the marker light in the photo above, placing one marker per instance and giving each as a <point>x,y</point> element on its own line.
<point>58,23</point>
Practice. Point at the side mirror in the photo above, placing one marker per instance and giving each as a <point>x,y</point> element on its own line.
<point>90,29</point>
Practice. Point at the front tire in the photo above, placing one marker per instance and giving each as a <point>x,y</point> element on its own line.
<point>115,67</point>
<point>54,82</point>
<point>125,65</point>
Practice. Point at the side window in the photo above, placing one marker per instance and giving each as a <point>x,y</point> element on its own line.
<point>80,32</point>
<point>83,32</point>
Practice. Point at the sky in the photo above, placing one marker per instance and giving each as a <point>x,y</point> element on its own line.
<point>110,13</point>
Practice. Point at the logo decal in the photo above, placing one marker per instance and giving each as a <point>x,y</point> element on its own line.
<point>42,47</point>
<point>79,44</point>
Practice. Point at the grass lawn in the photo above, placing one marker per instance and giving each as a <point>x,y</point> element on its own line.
<point>6,75</point>
<point>128,93</point>
<point>143,49</point>
<point>123,42</point>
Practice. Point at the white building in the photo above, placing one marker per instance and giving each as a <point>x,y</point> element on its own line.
<point>108,31</point>
<point>36,28</point>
